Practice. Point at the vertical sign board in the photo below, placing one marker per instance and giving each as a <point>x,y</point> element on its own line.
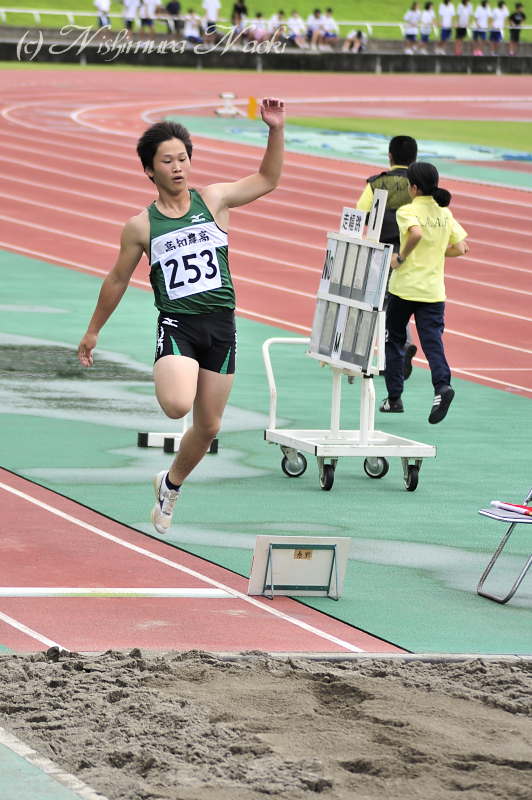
<point>376,215</point>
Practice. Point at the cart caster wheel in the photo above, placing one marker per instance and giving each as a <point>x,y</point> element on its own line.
<point>413,478</point>
<point>296,472</point>
<point>326,482</point>
<point>376,467</point>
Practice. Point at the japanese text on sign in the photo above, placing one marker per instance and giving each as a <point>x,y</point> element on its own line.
<point>304,555</point>
<point>352,222</point>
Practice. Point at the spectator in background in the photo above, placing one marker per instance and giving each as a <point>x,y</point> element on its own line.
<point>258,29</point>
<point>482,20</point>
<point>130,14</point>
<point>328,31</point>
<point>412,19</point>
<point>212,10</point>
<point>516,20</point>
<point>193,27</point>
<point>313,24</point>
<point>173,13</point>
<point>148,11</point>
<point>447,14</point>
<point>463,15</point>
<point>278,26</point>
<point>427,21</point>
<point>297,30</point>
<point>356,41</point>
<point>103,7</point>
<point>497,23</point>
<point>239,16</point>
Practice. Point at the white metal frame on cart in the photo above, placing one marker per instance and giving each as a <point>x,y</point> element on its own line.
<point>325,345</point>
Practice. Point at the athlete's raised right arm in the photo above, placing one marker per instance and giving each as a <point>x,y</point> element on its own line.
<point>133,243</point>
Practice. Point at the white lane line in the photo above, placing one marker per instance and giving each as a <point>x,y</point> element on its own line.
<point>238,159</point>
<point>489,263</point>
<point>84,195</point>
<point>478,374</point>
<point>146,285</point>
<point>489,310</point>
<point>268,609</point>
<point>491,380</point>
<point>234,229</point>
<point>298,177</point>
<point>273,286</point>
<point>265,216</point>
<point>48,767</point>
<point>59,233</point>
<point>276,320</point>
<point>47,591</point>
<point>238,155</point>
<point>488,285</point>
<point>487,341</point>
<point>30,632</point>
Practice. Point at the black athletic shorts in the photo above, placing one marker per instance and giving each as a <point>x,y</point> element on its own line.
<point>210,339</point>
<point>514,34</point>
<point>461,33</point>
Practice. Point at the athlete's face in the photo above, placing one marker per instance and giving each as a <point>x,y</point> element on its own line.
<point>171,166</point>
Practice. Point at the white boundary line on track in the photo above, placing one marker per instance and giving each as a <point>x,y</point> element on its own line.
<point>234,228</point>
<point>48,767</point>
<point>240,155</point>
<point>356,176</point>
<point>61,591</point>
<point>204,150</point>
<point>198,575</point>
<point>29,631</point>
<point>488,285</point>
<point>276,320</point>
<point>491,380</point>
<point>474,373</point>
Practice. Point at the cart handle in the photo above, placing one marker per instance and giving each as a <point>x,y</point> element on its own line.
<point>269,371</point>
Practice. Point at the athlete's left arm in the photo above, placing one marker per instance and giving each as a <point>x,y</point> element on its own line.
<point>220,197</point>
<point>456,250</point>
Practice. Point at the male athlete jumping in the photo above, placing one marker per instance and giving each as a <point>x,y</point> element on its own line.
<point>184,235</point>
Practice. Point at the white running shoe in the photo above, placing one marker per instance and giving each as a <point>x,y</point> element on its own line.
<point>161,516</point>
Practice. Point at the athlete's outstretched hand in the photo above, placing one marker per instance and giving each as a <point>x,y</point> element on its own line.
<point>85,348</point>
<point>272,112</point>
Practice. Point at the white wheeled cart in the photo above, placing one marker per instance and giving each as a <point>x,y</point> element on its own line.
<point>348,327</point>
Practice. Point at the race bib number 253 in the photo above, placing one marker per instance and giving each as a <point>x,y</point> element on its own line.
<point>191,273</point>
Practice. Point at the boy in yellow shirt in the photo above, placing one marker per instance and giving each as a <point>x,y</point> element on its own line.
<point>429,235</point>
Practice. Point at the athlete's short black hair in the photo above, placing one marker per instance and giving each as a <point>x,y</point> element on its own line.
<point>157,134</point>
<point>403,150</point>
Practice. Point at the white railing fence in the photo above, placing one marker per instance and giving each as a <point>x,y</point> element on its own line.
<point>71,16</point>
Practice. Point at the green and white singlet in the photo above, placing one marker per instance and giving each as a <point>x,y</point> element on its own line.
<point>189,261</point>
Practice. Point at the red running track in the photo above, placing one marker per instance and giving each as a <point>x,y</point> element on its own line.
<point>49,541</point>
<point>70,179</point>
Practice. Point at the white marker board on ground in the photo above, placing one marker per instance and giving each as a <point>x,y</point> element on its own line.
<point>303,566</point>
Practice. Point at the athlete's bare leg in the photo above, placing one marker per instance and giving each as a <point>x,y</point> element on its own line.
<point>181,384</point>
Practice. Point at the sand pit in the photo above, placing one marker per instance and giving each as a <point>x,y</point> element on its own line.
<point>195,726</point>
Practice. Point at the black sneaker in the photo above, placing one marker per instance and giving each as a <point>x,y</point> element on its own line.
<point>441,404</point>
<point>392,406</point>
<point>410,351</point>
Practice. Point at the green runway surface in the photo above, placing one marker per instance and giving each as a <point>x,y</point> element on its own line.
<point>415,557</point>
<point>25,782</point>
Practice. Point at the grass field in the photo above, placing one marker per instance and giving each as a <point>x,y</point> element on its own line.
<point>513,135</point>
<point>344,10</point>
